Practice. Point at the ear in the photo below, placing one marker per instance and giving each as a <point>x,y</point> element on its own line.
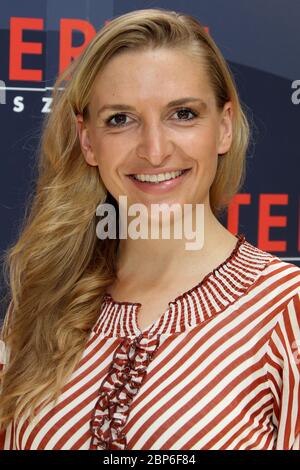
<point>83,134</point>
<point>225,138</point>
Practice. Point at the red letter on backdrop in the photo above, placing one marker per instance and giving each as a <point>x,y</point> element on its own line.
<point>18,47</point>
<point>265,221</point>
<point>67,52</point>
<point>233,211</point>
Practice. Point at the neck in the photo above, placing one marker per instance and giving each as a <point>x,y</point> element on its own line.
<point>163,258</point>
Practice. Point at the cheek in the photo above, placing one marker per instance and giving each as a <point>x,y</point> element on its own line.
<point>107,151</point>
<point>114,141</point>
<point>202,147</point>
<point>110,156</point>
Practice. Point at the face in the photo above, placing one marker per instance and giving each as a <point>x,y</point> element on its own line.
<point>153,113</point>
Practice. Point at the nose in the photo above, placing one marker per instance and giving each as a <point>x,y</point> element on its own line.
<point>154,144</point>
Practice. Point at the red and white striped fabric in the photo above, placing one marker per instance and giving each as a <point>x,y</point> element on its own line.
<point>219,369</point>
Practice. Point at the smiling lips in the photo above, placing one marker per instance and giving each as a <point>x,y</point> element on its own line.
<point>159,182</point>
<point>159,177</point>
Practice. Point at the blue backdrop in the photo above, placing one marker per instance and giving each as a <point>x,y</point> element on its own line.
<point>259,39</point>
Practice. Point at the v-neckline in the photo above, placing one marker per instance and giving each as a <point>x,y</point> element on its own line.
<point>218,289</point>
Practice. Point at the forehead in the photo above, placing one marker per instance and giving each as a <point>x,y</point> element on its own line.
<point>156,74</point>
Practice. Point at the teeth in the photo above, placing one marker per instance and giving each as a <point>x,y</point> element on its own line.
<point>158,178</point>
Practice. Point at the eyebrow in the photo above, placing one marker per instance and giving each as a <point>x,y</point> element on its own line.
<point>127,107</point>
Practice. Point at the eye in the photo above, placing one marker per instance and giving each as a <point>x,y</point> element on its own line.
<point>186,111</point>
<point>118,122</point>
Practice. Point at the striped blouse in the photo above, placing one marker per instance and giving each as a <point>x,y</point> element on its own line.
<point>219,369</point>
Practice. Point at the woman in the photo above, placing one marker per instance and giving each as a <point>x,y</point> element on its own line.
<point>139,343</point>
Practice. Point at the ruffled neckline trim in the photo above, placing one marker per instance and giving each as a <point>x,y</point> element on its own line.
<point>215,292</point>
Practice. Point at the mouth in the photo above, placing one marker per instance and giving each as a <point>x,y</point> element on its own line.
<point>159,178</point>
<point>159,184</point>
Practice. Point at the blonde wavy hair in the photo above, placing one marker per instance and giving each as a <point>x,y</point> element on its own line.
<point>58,270</point>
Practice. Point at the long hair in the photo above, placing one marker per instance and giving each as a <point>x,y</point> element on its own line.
<point>58,269</point>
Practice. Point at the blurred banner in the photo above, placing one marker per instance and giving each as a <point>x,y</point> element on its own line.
<point>259,39</point>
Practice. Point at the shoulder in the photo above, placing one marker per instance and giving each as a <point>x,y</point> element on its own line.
<point>272,281</point>
<point>278,287</point>
<point>274,270</point>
